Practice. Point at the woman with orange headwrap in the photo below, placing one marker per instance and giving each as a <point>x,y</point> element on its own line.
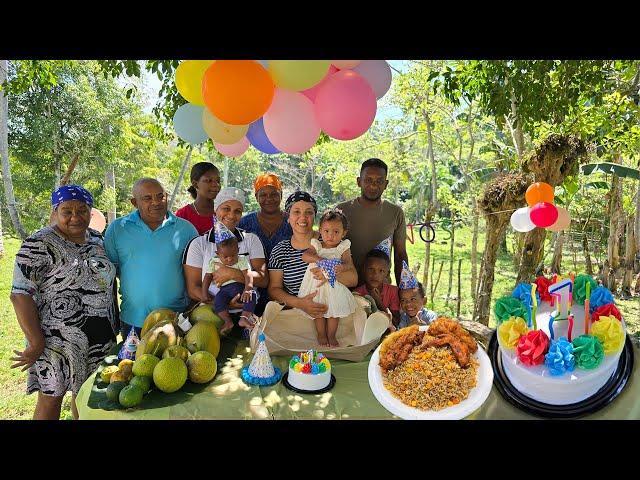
<point>269,223</point>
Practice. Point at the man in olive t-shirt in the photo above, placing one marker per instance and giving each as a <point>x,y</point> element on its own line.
<point>372,220</point>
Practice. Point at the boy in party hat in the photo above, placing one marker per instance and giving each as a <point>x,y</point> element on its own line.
<point>412,300</point>
<point>382,296</point>
<point>227,254</point>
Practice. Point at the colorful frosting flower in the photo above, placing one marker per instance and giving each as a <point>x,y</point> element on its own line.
<point>608,310</point>
<point>580,288</point>
<point>510,331</point>
<point>560,358</point>
<point>610,332</point>
<point>507,307</point>
<point>306,368</point>
<point>298,367</point>
<point>600,296</point>
<point>532,347</point>
<point>315,369</point>
<point>523,293</point>
<point>322,367</point>
<point>588,351</point>
<point>543,284</point>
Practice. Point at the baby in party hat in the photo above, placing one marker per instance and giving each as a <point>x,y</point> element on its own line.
<point>412,300</point>
<point>383,296</point>
<point>227,254</point>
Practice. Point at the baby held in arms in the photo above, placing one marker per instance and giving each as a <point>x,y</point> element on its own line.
<point>333,255</point>
<point>227,254</point>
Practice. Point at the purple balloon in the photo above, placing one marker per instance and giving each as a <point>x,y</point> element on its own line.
<point>259,139</point>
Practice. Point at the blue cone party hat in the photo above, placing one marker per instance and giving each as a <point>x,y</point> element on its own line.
<point>261,370</point>
<point>221,232</point>
<point>130,345</point>
<point>385,246</point>
<point>407,279</point>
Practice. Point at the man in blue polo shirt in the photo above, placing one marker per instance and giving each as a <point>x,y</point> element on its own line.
<point>146,247</point>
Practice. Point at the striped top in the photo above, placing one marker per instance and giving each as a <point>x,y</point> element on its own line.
<point>288,259</point>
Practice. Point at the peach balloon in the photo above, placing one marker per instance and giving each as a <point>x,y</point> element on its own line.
<point>233,150</point>
<point>237,92</point>
<point>290,123</point>
<point>97,222</point>
<point>563,221</point>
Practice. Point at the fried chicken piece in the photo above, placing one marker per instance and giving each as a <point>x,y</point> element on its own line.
<point>397,347</point>
<point>459,349</point>
<point>443,325</point>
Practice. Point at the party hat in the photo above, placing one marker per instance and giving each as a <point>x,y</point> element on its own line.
<point>130,345</point>
<point>221,232</point>
<point>261,370</point>
<point>384,246</point>
<point>407,279</point>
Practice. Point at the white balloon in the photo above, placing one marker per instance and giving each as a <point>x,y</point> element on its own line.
<point>520,220</point>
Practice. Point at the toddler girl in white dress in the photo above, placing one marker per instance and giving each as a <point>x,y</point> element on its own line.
<point>333,255</point>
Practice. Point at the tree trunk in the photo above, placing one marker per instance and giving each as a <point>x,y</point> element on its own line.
<point>453,239</point>
<point>185,164</point>
<point>587,255</point>
<point>636,230</point>
<point>474,248</point>
<point>518,246</point>
<point>616,224</point>
<point>518,135</point>
<point>557,254</point>
<point>629,257</point>
<point>4,156</point>
<point>496,226</point>
<point>531,255</point>
<point>110,185</point>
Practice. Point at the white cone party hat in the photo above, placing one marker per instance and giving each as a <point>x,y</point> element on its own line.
<point>261,370</point>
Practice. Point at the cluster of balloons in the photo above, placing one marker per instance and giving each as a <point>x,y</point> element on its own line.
<point>277,105</point>
<point>541,211</point>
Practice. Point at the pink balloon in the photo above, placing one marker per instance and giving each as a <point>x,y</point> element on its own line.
<point>345,106</point>
<point>290,123</point>
<point>543,214</point>
<point>563,221</point>
<point>233,150</point>
<point>377,73</point>
<point>311,93</point>
<point>97,222</point>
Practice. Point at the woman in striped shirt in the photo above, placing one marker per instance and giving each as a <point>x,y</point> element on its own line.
<point>286,268</point>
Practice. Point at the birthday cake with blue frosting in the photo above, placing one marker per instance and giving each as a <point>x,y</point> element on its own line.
<point>560,338</point>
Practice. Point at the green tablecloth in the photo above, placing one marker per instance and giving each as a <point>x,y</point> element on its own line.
<point>228,397</point>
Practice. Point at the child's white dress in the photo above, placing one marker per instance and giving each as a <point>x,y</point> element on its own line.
<point>339,299</point>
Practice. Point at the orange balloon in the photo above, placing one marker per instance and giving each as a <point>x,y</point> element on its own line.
<point>237,92</point>
<point>539,192</point>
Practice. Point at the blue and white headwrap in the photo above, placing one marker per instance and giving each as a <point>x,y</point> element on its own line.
<point>65,193</point>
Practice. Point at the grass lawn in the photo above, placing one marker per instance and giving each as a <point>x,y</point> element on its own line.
<point>15,404</point>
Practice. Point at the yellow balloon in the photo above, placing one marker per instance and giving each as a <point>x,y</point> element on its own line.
<point>189,79</point>
<point>298,74</point>
<point>221,132</point>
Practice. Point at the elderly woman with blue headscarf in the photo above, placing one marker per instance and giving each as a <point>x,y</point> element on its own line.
<point>63,297</point>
